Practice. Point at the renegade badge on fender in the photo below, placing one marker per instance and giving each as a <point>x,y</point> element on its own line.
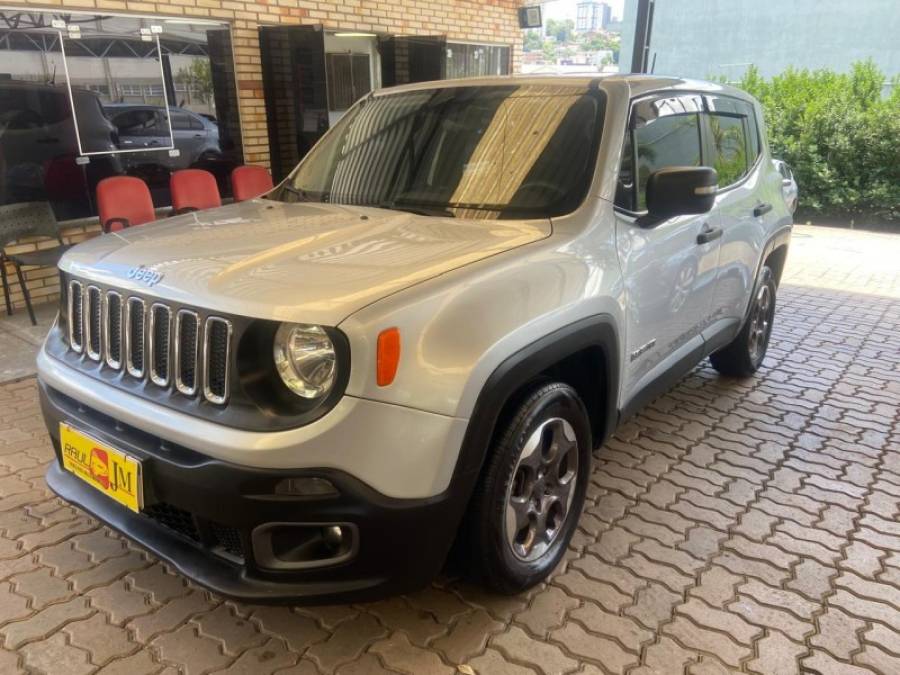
<point>419,337</point>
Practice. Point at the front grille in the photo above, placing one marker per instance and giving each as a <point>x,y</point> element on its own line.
<point>156,342</point>
<point>228,539</point>
<point>175,519</point>
<point>220,538</point>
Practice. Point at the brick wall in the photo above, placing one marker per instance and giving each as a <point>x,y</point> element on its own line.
<point>493,21</point>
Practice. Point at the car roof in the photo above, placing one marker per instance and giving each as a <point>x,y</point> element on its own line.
<point>637,83</point>
<point>141,105</point>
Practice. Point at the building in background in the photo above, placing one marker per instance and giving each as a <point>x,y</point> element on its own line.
<point>146,89</point>
<point>723,38</point>
<point>592,16</point>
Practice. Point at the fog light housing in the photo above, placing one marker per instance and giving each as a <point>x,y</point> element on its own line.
<point>296,546</point>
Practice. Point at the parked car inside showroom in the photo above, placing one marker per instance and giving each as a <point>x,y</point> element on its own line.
<point>416,340</point>
<point>39,146</point>
<point>146,127</point>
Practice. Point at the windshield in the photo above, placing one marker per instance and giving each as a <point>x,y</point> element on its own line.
<point>509,151</point>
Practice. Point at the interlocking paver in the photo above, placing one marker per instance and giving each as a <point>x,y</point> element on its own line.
<point>548,609</point>
<point>776,655</point>
<point>493,663</point>
<point>398,653</point>
<point>100,639</point>
<point>347,642</point>
<point>467,636</point>
<point>45,622</point>
<point>731,526</point>
<point>191,651</point>
<point>55,655</point>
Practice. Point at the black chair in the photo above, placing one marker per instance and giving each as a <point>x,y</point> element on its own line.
<point>27,219</point>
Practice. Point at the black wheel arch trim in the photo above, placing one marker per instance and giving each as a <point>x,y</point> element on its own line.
<point>598,331</point>
<point>781,237</point>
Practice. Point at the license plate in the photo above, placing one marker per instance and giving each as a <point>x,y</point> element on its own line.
<point>112,472</point>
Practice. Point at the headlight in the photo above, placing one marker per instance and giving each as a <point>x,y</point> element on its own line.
<point>305,359</point>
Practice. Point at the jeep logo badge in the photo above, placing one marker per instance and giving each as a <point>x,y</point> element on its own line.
<point>145,275</point>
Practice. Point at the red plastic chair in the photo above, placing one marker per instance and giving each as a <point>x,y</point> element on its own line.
<point>194,190</point>
<point>249,182</point>
<point>124,201</point>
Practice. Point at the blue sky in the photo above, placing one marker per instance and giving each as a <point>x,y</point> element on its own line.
<point>565,9</point>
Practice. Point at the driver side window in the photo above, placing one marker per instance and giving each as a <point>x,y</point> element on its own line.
<point>663,132</point>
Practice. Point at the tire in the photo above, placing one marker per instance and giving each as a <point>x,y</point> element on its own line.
<point>547,434</point>
<point>743,356</point>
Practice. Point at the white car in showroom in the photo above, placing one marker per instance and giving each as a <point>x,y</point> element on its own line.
<point>418,338</point>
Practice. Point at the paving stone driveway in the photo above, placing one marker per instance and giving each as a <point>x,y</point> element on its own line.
<point>733,526</point>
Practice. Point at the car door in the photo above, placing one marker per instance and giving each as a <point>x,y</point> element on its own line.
<point>142,128</point>
<point>189,135</point>
<point>743,207</point>
<point>669,269</point>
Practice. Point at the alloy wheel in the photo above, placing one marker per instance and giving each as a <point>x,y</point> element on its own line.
<point>760,323</point>
<point>539,496</point>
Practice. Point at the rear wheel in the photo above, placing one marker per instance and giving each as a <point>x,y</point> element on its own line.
<point>744,355</point>
<point>530,496</point>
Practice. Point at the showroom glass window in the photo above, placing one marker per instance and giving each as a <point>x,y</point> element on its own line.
<point>476,60</point>
<point>151,95</point>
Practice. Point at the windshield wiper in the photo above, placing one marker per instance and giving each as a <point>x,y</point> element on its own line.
<point>417,210</point>
<point>303,195</point>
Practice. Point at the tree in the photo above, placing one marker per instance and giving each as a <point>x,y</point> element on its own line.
<point>532,41</point>
<point>840,135</point>
<point>549,49</point>
<point>197,77</point>
<point>562,30</point>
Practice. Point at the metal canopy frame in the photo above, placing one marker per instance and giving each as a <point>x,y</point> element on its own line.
<point>162,75</point>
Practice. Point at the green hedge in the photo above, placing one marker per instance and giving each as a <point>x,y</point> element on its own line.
<point>840,135</point>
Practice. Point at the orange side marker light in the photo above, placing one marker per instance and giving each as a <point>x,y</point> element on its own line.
<point>388,356</point>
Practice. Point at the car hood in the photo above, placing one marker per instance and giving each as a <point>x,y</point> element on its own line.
<point>307,262</point>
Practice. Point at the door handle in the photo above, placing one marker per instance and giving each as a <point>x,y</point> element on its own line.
<point>761,210</point>
<point>708,234</point>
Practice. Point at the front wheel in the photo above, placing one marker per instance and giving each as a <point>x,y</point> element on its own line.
<point>529,498</point>
<point>744,355</point>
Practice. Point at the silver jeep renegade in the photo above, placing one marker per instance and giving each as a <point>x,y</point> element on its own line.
<point>415,341</point>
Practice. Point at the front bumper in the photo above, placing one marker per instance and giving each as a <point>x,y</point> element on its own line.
<point>200,512</point>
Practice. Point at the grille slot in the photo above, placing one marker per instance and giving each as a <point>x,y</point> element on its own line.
<point>223,540</point>
<point>93,322</point>
<point>160,330</point>
<point>176,519</point>
<point>134,337</point>
<point>187,344</point>
<point>216,344</point>
<point>229,539</point>
<point>112,329</point>
<point>76,316</point>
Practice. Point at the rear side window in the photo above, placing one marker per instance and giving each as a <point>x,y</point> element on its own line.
<point>663,132</point>
<point>180,121</point>
<point>733,138</point>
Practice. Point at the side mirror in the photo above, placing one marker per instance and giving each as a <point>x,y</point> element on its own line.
<point>679,191</point>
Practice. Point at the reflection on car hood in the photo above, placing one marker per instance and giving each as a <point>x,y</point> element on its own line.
<point>309,262</point>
